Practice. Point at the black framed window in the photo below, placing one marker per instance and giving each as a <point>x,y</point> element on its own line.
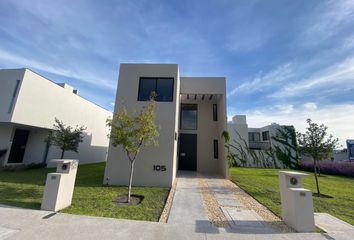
<point>254,136</point>
<point>216,149</point>
<point>189,116</point>
<point>14,96</point>
<point>215,112</point>
<point>265,136</point>
<point>163,87</point>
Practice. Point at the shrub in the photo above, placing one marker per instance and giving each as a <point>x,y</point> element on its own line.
<point>331,167</point>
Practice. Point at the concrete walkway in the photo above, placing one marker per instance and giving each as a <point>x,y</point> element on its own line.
<point>187,206</point>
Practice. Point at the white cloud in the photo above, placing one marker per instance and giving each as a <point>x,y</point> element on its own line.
<point>264,81</point>
<point>310,106</point>
<point>333,16</point>
<point>34,64</point>
<point>339,75</point>
<point>339,118</point>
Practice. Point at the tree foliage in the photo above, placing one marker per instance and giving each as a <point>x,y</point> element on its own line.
<point>67,138</point>
<point>133,133</point>
<point>316,143</point>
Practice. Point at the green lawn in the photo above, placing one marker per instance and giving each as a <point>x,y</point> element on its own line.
<point>24,188</point>
<point>263,185</point>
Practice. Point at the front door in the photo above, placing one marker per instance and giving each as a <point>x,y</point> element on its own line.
<point>18,146</point>
<point>187,152</point>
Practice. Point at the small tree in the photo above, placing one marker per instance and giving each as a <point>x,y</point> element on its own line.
<point>65,137</point>
<point>133,133</point>
<point>316,143</point>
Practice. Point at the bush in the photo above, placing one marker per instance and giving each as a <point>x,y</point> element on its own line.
<point>36,165</point>
<point>331,167</point>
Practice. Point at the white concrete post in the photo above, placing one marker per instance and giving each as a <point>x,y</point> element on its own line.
<point>296,202</point>
<point>59,187</point>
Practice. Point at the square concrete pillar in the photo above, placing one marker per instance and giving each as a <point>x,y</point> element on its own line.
<point>296,202</point>
<point>59,187</point>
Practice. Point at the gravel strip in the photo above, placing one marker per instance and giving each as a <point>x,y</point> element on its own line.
<point>215,214</point>
<point>166,210</point>
<point>252,204</point>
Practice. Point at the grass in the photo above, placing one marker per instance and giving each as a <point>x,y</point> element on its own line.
<point>263,185</point>
<point>24,188</point>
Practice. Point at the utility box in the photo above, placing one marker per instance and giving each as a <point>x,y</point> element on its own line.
<point>59,186</point>
<point>296,202</point>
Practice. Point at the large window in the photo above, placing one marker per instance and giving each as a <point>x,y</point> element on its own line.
<point>254,136</point>
<point>163,87</point>
<point>265,136</point>
<point>189,116</point>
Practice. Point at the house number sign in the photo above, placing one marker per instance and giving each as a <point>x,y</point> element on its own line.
<point>160,168</point>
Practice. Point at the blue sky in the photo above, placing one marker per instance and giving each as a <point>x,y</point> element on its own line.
<point>284,60</point>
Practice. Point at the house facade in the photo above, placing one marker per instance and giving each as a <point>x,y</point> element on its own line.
<point>29,104</point>
<point>191,115</point>
<point>270,146</point>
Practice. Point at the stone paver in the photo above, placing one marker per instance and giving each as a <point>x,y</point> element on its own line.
<point>329,223</point>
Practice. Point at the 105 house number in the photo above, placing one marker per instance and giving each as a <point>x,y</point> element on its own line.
<point>160,168</point>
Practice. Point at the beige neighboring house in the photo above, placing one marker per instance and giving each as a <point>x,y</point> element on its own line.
<point>29,104</point>
<point>191,114</point>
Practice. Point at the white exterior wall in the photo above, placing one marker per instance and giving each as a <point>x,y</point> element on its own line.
<point>118,166</point>
<point>39,101</point>
<point>8,79</point>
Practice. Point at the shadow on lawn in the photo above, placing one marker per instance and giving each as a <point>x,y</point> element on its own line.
<point>19,197</point>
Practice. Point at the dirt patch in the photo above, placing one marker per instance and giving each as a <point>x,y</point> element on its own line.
<point>123,200</point>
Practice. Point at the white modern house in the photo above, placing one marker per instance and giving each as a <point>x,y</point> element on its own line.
<point>266,146</point>
<point>191,114</point>
<point>29,104</point>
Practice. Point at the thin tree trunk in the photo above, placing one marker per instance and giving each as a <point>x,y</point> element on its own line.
<point>130,180</point>
<point>62,153</point>
<point>315,171</point>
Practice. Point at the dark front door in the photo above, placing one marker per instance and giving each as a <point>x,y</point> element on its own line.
<point>187,152</point>
<point>18,146</point>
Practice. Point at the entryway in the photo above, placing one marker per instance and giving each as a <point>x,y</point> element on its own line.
<point>18,146</point>
<point>187,159</point>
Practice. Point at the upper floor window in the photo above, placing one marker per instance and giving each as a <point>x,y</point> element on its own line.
<point>189,116</point>
<point>265,136</point>
<point>163,87</point>
<point>215,112</point>
<point>254,136</point>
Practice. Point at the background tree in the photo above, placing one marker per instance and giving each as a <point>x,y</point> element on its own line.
<point>65,137</point>
<point>316,143</point>
<point>133,133</point>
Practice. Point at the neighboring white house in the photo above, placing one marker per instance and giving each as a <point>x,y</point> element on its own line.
<point>191,114</point>
<point>29,104</point>
<point>269,146</point>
